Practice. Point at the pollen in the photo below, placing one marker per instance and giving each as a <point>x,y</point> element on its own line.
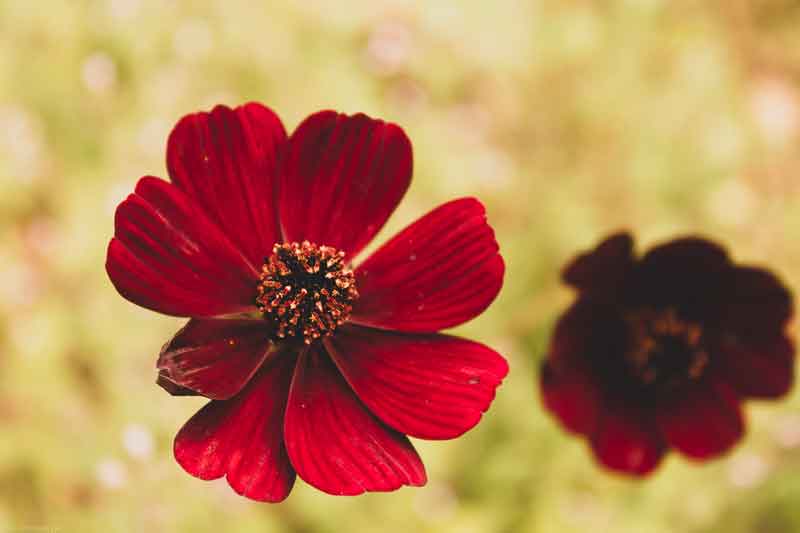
<point>306,290</point>
<point>665,348</point>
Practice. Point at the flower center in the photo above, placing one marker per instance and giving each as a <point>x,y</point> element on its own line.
<point>665,349</point>
<point>305,290</point>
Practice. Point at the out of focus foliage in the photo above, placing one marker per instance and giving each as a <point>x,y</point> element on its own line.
<point>568,118</point>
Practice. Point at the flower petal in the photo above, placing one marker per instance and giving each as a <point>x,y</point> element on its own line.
<point>758,304</point>
<point>591,334</point>
<point>761,370</point>
<point>243,437</point>
<point>342,178</point>
<point>335,443</point>
<point>602,269</point>
<point>702,421</point>
<point>226,161</point>
<point>572,395</point>
<point>585,364</point>
<point>689,274</point>
<point>215,357</point>
<point>626,441</point>
<point>427,386</point>
<point>171,387</point>
<point>441,271</point>
<point>166,255</point>
<point>751,349</point>
<point>686,253</point>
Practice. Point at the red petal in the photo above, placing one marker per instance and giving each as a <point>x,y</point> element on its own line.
<point>335,443</point>
<point>584,362</point>
<point>342,178</point>
<point>226,161</point>
<point>603,268</point>
<point>427,386</point>
<point>702,421</point>
<point>243,437</point>
<point>441,271</point>
<point>215,357</point>
<point>689,274</point>
<point>757,304</point>
<point>171,387</point>
<point>626,441</point>
<point>166,255</point>
<point>570,393</point>
<point>686,253</point>
<point>762,370</point>
<point>590,334</point>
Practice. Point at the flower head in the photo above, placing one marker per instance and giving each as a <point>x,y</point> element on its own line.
<point>316,364</point>
<point>658,352</point>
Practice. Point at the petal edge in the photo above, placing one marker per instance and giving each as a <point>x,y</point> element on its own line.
<point>334,443</point>
<point>426,386</point>
<point>441,271</point>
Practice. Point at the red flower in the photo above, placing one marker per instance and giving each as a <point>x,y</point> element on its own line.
<point>312,368</point>
<point>659,352</point>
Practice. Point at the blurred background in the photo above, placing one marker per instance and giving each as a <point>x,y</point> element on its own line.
<point>568,118</point>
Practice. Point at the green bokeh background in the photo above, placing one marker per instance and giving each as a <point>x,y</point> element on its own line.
<point>568,118</point>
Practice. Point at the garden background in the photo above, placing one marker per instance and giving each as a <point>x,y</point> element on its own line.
<point>569,119</point>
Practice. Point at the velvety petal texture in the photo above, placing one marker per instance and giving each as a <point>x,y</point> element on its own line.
<point>590,335</point>
<point>757,306</point>
<point>702,421</point>
<point>426,386</point>
<point>227,162</point>
<point>216,358</point>
<point>163,380</point>
<point>693,256</point>
<point>602,269</point>
<point>335,443</point>
<point>762,369</point>
<point>439,272</point>
<point>342,178</point>
<point>572,394</point>
<point>242,438</point>
<point>627,442</point>
<point>168,256</point>
<point>689,274</point>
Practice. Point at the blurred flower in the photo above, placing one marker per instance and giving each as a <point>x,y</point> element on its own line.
<point>138,441</point>
<point>659,352</point>
<point>312,367</point>
<point>111,473</point>
<point>787,431</point>
<point>747,470</point>
<point>42,237</point>
<point>389,48</point>
<point>21,285</point>
<point>775,109</point>
<point>408,95</point>
<point>22,143</point>
<point>99,73</point>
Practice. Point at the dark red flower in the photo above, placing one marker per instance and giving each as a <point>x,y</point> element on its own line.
<point>658,352</point>
<point>312,368</point>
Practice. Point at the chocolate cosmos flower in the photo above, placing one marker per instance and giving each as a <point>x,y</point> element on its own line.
<point>659,352</point>
<point>312,367</point>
